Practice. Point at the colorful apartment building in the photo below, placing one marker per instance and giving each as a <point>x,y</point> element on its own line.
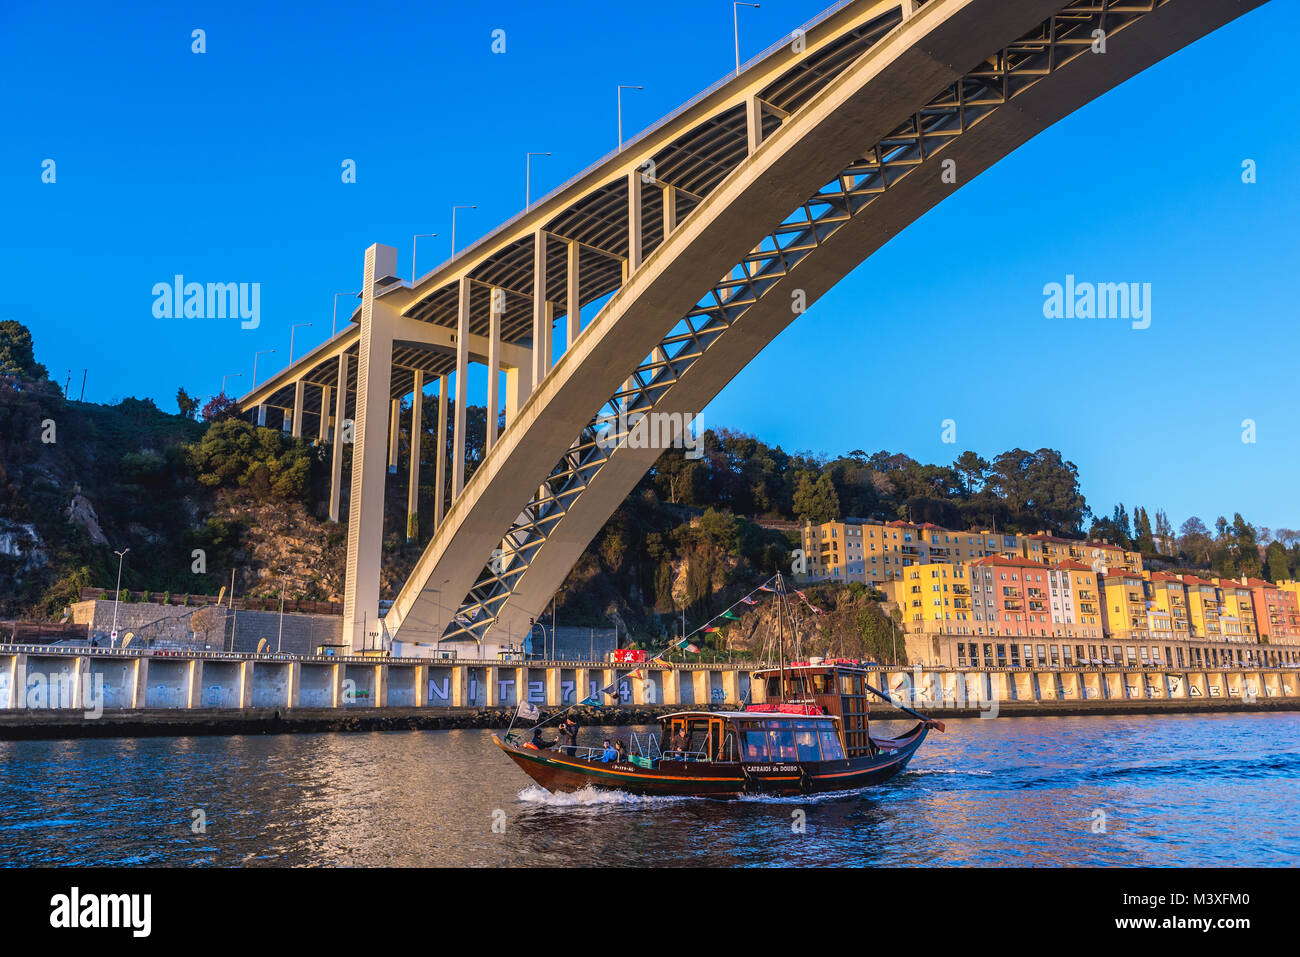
<point>1124,606</point>
<point>1238,611</point>
<point>1277,612</point>
<point>991,599</point>
<point>1099,556</point>
<point>877,552</point>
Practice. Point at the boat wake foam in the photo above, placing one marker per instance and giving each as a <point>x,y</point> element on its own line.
<point>589,797</point>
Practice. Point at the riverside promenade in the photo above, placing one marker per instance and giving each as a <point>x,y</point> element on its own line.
<point>66,691</point>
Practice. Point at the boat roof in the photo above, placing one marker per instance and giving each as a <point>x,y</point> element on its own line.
<point>840,663</point>
<point>747,714</point>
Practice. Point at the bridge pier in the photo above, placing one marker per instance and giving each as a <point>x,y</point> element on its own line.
<point>366,508</point>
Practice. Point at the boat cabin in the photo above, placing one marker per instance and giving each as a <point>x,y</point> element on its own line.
<point>835,687</point>
<point>754,737</point>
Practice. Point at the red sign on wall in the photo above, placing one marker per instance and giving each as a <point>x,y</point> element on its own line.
<point>623,656</point>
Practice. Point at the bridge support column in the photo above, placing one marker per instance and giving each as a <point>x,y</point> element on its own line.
<point>519,385</point>
<point>496,306</point>
<point>413,486</point>
<point>491,693</point>
<point>336,453</point>
<point>299,400</point>
<point>261,415</point>
<point>572,297</point>
<point>366,510</point>
<point>394,433</point>
<point>323,433</point>
<point>539,307</point>
<point>462,391</point>
<point>670,210</point>
<point>754,123</point>
<point>553,691</point>
<point>634,221</point>
<point>581,684</point>
<point>440,470</point>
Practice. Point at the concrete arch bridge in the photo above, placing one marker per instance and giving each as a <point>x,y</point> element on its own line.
<point>659,272</point>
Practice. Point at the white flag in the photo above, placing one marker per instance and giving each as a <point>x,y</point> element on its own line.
<point>527,712</point>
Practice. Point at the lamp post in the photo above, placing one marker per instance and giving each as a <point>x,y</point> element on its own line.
<point>229,375</point>
<point>620,110</point>
<point>292,329</point>
<point>528,177</point>
<point>453,227</point>
<point>415,242</point>
<point>255,355</point>
<point>279,637</point>
<point>117,595</point>
<point>735,21</point>
<point>334,326</point>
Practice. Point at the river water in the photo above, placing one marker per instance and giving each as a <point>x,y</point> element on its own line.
<point>1168,790</point>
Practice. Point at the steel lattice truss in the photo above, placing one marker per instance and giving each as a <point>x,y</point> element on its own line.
<point>995,82</point>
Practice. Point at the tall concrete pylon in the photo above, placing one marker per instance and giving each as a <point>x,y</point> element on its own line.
<point>369,459</point>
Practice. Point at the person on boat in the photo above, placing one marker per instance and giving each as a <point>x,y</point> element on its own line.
<point>570,730</point>
<point>620,747</point>
<point>679,741</point>
<point>609,754</point>
<point>539,743</point>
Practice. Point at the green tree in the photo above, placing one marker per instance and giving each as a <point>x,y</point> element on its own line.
<point>186,403</point>
<point>17,352</point>
<point>815,499</point>
<point>1279,569</point>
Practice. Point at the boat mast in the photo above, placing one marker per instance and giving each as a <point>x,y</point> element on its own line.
<point>780,629</point>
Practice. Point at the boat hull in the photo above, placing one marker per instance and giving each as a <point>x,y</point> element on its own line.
<point>559,772</point>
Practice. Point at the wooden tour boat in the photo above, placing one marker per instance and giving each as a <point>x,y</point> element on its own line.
<point>813,737</point>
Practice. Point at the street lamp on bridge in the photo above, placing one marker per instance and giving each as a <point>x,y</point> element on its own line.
<point>528,178</point>
<point>334,326</point>
<point>453,228</point>
<point>255,355</point>
<point>415,242</point>
<point>292,329</point>
<point>620,110</point>
<point>735,22</point>
<point>229,375</point>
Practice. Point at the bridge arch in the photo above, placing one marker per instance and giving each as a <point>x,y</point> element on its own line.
<point>780,181</point>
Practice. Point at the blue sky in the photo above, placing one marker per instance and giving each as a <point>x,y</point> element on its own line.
<point>225,166</point>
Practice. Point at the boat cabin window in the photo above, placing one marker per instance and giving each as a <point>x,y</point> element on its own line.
<point>802,740</point>
<point>806,743</point>
<point>781,745</point>
<point>831,750</point>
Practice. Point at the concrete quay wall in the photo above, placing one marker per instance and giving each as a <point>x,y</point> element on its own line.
<point>69,688</point>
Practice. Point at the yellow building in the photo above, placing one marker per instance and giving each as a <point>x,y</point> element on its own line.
<point>879,552</point>
<point>1124,608</point>
<point>935,597</point>
<point>1204,608</point>
<point>1238,613</point>
<point>1099,556</point>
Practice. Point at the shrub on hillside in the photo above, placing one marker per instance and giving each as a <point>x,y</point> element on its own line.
<point>235,454</point>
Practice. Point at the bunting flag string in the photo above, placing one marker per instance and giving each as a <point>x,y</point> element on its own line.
<point>708,628</point>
